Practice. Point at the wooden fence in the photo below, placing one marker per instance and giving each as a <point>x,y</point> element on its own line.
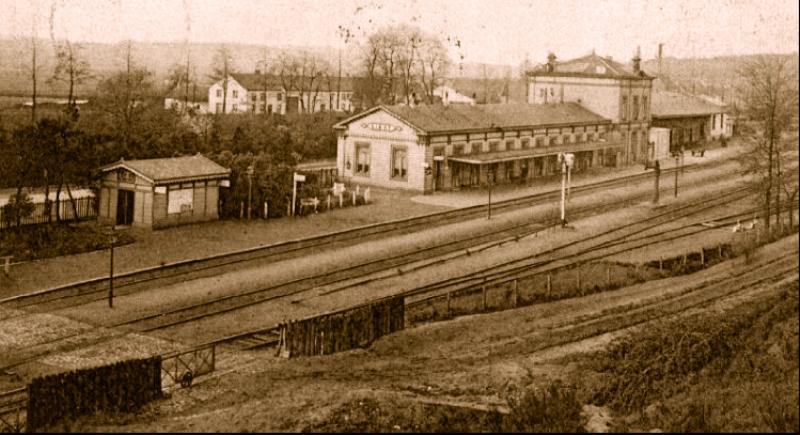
<point>121,386</point>
<point>85,207</point>
<point>342,330</point>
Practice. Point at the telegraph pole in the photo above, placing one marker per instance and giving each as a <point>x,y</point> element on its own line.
<point>112,240</point>
<point>677,160</point>
<point>658,175</point>
<point>490,179</point>
<point>250,170</point>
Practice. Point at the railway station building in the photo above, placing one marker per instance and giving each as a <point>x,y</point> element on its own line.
<point>692,121</point>
<point>156,193</point>
<point>604,86</point>
<point>441,148</point>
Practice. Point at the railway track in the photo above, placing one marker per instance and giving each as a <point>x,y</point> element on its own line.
<point>126,283</point>
<point>352,277</point>
<point>262,337</point>
<point>266,336</point>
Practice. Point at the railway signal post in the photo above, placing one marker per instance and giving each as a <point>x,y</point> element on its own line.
<point>566,160</point>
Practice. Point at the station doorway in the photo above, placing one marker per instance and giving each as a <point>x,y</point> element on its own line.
<point>124,207</point>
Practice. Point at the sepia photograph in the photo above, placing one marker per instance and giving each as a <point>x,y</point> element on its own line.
<point>399,216</point>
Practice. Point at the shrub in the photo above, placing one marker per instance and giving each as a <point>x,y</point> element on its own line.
<point>552,409</point>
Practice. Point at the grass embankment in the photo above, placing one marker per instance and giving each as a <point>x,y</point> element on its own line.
<point>552,409</point>
<point>729,372</point>
<point>35,242</point>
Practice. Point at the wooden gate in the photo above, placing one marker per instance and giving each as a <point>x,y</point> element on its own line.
<point>180,368</point>
<point>13,410</point>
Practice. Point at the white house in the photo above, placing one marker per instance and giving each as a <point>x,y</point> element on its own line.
<point>261,93</point>
<point>451,96</point>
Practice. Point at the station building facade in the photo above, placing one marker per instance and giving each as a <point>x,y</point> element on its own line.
<point>156,193</point>
<point>439,148</point>
<point>692,121</point>
<point>605,87</point>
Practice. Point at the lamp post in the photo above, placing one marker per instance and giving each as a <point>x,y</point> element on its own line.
<point>112,239</point>
<point>566,160</point>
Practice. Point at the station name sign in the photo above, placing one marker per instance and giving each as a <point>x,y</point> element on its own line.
<point>379,126</point>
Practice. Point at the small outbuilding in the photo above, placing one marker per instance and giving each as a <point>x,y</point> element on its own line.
<point>156,193</point>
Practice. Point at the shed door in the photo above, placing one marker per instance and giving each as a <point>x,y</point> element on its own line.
<point>124,207</point>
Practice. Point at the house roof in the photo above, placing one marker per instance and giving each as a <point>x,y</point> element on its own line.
<point>174,169</point>
<point>674,104</point>
<point>491,89</point>
<point>255,82</point>
<point>591,65</point>
<point>431,119</point>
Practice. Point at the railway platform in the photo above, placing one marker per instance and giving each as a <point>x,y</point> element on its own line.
<point>477,196</point>
<point>155,248</point>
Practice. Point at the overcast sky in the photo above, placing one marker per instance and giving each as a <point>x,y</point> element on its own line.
<point>495,31</point>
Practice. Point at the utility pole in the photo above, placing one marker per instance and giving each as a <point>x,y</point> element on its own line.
<point>490,179</point>
<point>658,175</point>
<point>250,170</point>
<point>112,240</point>
<point>677,160</point>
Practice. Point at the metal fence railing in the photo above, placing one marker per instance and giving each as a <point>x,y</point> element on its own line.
<point>85,208</point>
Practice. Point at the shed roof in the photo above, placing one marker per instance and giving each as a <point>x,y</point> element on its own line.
<point>432,119</point>
<point>174,169</point>
<point>591,65</point>
<point>675,105</point>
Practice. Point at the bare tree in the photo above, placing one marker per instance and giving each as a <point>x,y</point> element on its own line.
<point>124,96</point>
<point>70,69</point>
<point>222,68</point>
<point>302,74</point>
<point>434,64</point>
<point>34,69</point>
<point>769,103</point>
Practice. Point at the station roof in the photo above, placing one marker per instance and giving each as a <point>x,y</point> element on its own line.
<point>511,155</point>
<point>172,170</point>
<point>439,119</point>
<point>591,65</point>
<point>677,105</point>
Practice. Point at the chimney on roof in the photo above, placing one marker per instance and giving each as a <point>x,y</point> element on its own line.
<point>637,61</point>
<point>551,62</point>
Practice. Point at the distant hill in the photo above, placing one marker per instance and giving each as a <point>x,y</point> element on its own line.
<point>158,57</point>
<point>717,76</point>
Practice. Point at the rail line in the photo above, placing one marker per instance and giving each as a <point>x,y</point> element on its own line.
<point>125,283</point>
<point>267,334</point>
<point>234,302</point>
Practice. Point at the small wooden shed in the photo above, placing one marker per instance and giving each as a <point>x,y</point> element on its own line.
<point>156,193</point>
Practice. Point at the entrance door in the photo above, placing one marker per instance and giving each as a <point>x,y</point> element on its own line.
<point>124,207</point>
<point>292,104</point>
<point>438,176</point>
